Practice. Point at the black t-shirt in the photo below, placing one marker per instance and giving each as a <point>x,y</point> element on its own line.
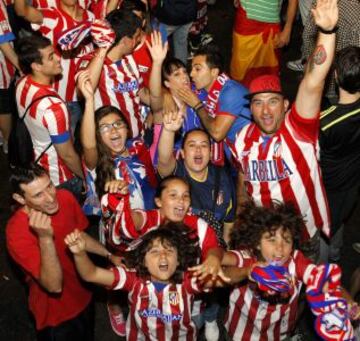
<point>340,146</point>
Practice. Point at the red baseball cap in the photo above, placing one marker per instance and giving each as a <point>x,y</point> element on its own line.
<point>264,83</point>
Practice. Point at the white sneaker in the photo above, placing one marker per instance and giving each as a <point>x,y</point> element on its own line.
<point>212,331</point>
<point>296,65</point>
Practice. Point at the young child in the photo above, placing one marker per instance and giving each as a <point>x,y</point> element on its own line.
<point>265,307</point>
<point>160,291</point>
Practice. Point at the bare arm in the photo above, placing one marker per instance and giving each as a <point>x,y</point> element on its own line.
<point>50,277</point>
<point>218,126</point>
<point>95,66</point>
<point>283,38</point>
<point>235,274</point>
<point>28,12</point>
<point>111,5</point>
<point>227,231</point>
<point>166,159</point>
<point>87,129</point>
<point>158,53</point>
<point>94,246</point>
<point>308,98</point>
<point>241,194</point>
<point>87,269</point>
<point>67,153</point>
<point>10,54</point>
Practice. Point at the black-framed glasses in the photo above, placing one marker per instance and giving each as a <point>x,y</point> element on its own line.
<point>106,128</point>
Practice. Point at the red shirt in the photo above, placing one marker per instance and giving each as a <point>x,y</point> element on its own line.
<point>50,309</point>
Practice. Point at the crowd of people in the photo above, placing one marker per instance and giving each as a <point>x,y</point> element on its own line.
<point>204,187</point>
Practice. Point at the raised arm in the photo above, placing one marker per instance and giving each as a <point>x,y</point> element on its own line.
<point>28,12</point>
<point>166,159</point>
<point>50,277</point>
<point>96,64</point>
<point>217,126</point>
<point>158,52</point>
<point>86,268</point>
<point>309,95</point>
<point>87,129</point>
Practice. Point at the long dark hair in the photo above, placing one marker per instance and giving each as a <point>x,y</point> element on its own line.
<point>105,166</point>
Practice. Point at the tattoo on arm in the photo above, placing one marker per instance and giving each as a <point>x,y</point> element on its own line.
<point>318,57</point>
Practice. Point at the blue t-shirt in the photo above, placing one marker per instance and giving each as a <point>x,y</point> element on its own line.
<point>202,193</point>
<point>233,102</point>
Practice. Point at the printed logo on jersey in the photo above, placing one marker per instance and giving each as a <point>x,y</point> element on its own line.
<point>126,86</point>
<point>220,198</point>
<point>174,298</point>
<point>267,170</point>
<point>153,312</point>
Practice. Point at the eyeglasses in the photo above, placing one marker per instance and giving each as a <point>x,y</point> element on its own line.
<point>106,128</point>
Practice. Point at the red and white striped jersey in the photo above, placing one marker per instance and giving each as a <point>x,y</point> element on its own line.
<point>157,315</point>
<point>250,318</point>
<point>47,121</point>
<point>41,4</point>
<point>119,85</point>
<point>285,167</point>
<point>55,22</point>
<point>7,70</point>
<point>98,7</point>
<point>207,236</point>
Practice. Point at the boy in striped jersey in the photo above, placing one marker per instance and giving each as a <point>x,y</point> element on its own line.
<point>160,290</point>
<point>265,307</point>
<point>278,152</point>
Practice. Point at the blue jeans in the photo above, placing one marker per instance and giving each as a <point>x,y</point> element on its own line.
<point>180,39</point>
<point>210,312</point>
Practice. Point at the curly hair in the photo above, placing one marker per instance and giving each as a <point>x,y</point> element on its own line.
<point>176,235</point>
<point>253,221</point>
<point>105,165</point>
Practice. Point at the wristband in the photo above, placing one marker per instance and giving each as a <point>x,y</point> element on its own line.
<point>198,106</point>
<point>108,256</point>
<point>334,30</point>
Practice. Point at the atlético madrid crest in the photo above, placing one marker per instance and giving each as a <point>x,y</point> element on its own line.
<point>173,298</point>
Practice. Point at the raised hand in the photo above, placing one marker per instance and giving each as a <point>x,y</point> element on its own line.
<point>172,121</point>
<point>40,223</point>
<point>116,186</point>
<point>75,242</point>
<point>326,14</point>
<point>157,49</point>
<point>84,84</point>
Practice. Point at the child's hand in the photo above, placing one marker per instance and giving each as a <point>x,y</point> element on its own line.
<point>116,186</point>
<point>75,242</point>
<point>210,267</point>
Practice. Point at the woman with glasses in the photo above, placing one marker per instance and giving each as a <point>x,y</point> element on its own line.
<point>110,154</point>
